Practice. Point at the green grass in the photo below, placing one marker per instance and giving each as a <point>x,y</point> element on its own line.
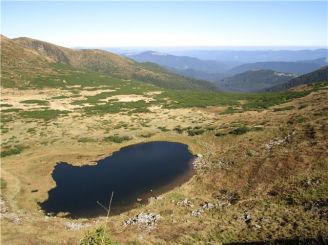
<point>43,114</point>
<point>116,107</point>
<point>12,151</point>
<point>98,237</point>
<point>6,105</point>
<point>12,110</point>
<point>37,102</point>
<point>117,138</point>
<point>3,184</point>
<point>195,131</point>
<point>187,99</point>
<point>239,130</point>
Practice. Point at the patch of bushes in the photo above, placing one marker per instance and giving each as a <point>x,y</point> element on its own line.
<point>286,108</point>
<point>3,184</point>
<point>6,105</point>
<point>230,110</point>
<point>12,151</point>
<point>31,130</point>
<point>11,110</point>
<point>163,129</point>
<point>43,114</point>
<point>220,134</point>
<point>147,135</point>
<point>195,131</point>
<point>179,130</point>
<point>37,102</point>
<point>98,237</point>
<point>239,130</point>
<point>116,138</point>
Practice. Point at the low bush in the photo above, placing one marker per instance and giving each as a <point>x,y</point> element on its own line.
<point>98,237</point>
<point>239,131</point>
<point>12,151</point>
<point>116,138</point>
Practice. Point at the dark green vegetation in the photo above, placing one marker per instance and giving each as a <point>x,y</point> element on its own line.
<point>3,184</point>
<point>317,76</point>
<point>43,114</point>
<point>116,138</point>
<point>37,102</point>
<point>98,237</point>
<point>254,81</point>
<point>296,67</point>
<point>186,99</point>
<point>240,130</point>
<point>11,151</point>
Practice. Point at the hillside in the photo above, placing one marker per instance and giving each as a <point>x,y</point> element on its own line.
<point>320,75</point>
<point>253,81</point>
<point>30,53</point>
<point>297,67</point>
<point>196,74</point>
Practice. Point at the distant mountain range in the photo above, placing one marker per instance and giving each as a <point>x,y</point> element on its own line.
<point>26,57</point>
<point>252,56</point>
<point>296,67</point>
<point>228,76</point>
<point>180,62</point>
<point>320,75</point>
<point>254,81</point>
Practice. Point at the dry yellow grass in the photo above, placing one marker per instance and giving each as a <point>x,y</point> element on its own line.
<point>252,170</point>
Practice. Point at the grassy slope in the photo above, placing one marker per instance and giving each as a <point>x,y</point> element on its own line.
<point>100,61</point>
<point>271,182</point>
<point>309,78</point>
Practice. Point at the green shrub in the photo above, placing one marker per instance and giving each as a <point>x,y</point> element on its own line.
<point>43,114</point>
<point>116,138</point>
<point>98,237</point>
<point>147,135</point>
<point>11,110</point>
<point>38,102</point>
<point>195,131</point>
<point>239,131</point>
<point>163,129</point>
<point>12,151</point>
<point>3,184</point>
<point>219,134</point>
<point>86,139</point>
<point>179,130</point>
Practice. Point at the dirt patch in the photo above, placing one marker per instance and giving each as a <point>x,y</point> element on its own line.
<point>128,98</point>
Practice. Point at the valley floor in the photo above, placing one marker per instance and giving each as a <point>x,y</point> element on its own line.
<point>261,174</point>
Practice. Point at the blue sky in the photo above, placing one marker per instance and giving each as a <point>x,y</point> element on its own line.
<point>132,24</point>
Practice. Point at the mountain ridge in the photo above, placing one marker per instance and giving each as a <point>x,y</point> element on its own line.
<point>320,75</point>
<point>94,60</point>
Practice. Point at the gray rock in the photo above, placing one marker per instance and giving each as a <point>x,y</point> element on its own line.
<point>145,220</point>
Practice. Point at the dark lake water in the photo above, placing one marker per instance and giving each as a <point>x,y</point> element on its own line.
<point>134,172</point>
